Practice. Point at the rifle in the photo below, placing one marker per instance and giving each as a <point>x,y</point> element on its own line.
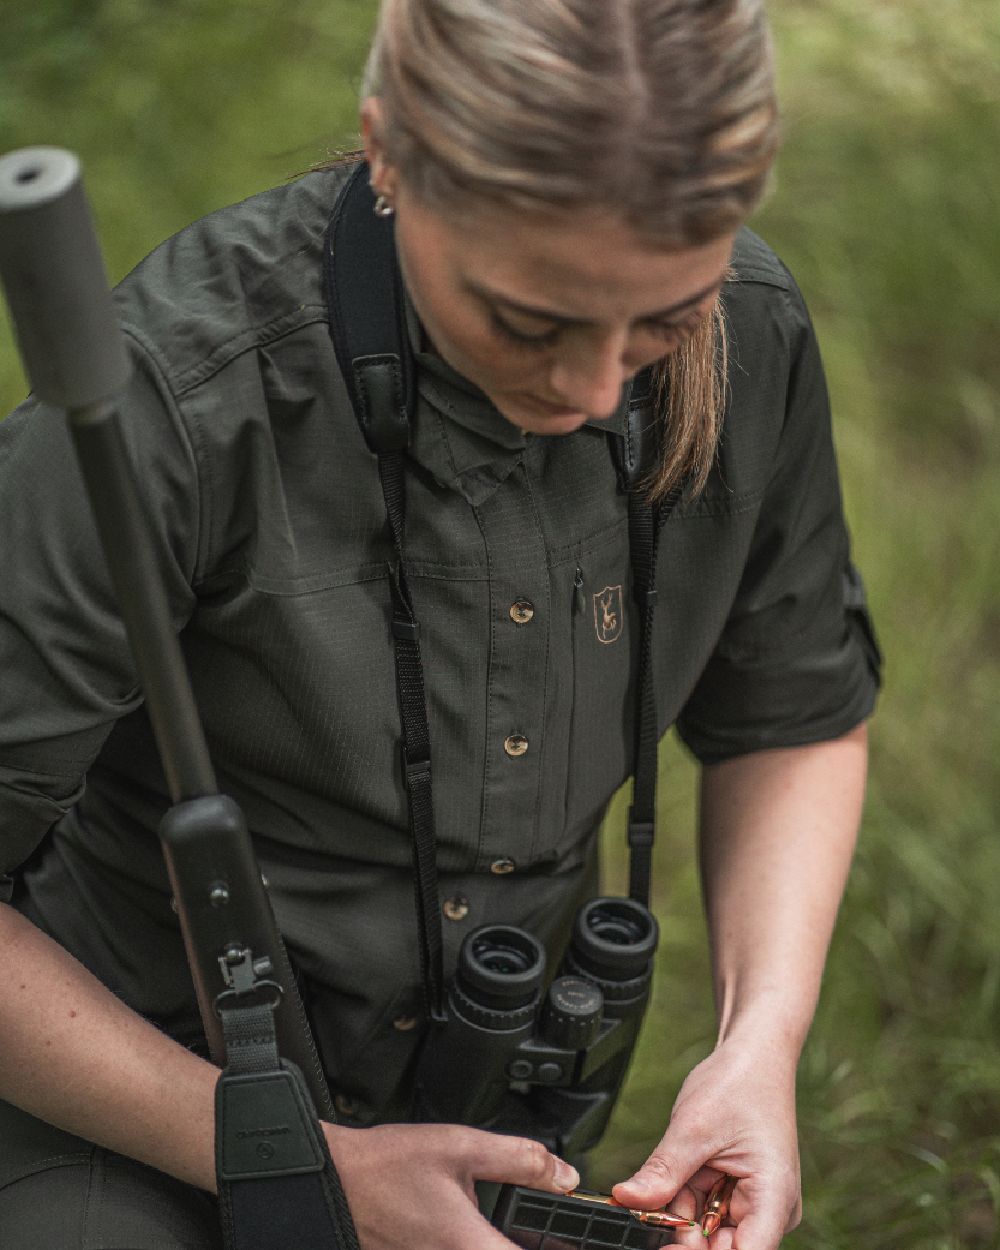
<point>276,1190</point>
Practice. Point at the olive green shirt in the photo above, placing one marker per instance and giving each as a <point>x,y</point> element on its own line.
<point>267,508</point>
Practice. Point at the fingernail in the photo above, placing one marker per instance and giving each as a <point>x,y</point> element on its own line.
<point>565,1177</point>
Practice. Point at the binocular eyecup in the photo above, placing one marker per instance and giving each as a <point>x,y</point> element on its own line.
<point>501,966</point>
<point>614,939</point>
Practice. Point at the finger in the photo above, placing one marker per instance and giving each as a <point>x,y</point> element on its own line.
<point>703,1180</point>
<point>685,1202</point>
<point>692,1237</point>
<point>689,1202</point>
<point>518,1161</point>
<point>761,1228</point>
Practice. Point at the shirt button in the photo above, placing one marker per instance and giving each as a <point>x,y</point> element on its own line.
<point>456,908</point>
<point>521,611</point>
<point>403,1024</point>
<point>345,1105</point>
<point>500,867</point>
<point>516,744</point>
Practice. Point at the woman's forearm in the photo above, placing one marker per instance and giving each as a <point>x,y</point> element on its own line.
<point>778,830</point>
<point>777,833</point>
<point>73,1054</point>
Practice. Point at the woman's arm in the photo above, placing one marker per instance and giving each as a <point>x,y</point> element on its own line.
<point>71,1053</point>
<point>777,834</point>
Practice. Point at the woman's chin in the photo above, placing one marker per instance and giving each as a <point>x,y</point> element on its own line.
<point>531,421</point>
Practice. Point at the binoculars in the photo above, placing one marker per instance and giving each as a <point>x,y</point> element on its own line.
<point>515,1056</point>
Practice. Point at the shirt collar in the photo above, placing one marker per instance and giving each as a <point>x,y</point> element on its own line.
<point>458,433</point>
<point>615,424</point>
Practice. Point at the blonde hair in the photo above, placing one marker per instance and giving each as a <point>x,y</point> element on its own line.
<point>660,110</point>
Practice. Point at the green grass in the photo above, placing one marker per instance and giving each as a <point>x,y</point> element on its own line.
<point>886,205</point>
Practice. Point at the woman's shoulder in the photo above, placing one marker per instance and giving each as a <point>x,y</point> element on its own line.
<point>233,281</point>
<point>772,371</point>
<point>755,261</point>
<point>764,308</point>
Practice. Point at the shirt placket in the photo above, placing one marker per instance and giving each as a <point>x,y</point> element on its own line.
<point>520,623</point>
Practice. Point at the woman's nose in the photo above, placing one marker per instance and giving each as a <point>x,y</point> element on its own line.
<point>588,375</point>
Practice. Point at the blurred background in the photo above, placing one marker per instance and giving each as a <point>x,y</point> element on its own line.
<point>886,206</point>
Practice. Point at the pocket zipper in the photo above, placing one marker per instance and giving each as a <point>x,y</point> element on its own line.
<point>579,599</point>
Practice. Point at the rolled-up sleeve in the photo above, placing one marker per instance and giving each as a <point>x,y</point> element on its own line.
<point>797,661</point>
<point>67,672</point>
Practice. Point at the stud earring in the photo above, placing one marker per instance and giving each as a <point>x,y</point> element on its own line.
<point>383,206</point>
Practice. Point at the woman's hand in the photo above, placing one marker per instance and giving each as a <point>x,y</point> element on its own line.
<point>410,1186</point>
<point>735,1113</point>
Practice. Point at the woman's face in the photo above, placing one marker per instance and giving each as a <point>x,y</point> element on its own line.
<point>550,314</point>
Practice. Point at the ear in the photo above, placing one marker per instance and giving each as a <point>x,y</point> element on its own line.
<point>383,174</point>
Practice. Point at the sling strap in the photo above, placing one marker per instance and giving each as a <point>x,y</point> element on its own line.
<point>416,743</point>
<point>273,1167</point>
<point>364,293</point>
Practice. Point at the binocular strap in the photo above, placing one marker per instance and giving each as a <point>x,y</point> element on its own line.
<point>364,293</point>
<point>278,1187</point>
<point>645,521</point>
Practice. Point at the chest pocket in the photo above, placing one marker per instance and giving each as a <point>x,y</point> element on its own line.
<point>605,633</point>
<point>297,689</point>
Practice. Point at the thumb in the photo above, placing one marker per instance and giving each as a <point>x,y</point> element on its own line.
<point>659,1178</point>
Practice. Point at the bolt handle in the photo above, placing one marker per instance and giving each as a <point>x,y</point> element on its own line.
<point>53,276</point>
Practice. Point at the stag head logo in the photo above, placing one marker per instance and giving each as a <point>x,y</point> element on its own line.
<point>608,614</point>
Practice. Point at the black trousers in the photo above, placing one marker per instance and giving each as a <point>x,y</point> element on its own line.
<point>58,1192</point>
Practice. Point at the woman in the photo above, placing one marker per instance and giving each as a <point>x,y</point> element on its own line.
<point>568,180</point>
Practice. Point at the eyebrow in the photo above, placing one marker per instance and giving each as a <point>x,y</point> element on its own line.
<point>561,319</point>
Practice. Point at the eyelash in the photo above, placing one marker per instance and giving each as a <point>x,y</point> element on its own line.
<point>679,331</point>
<point>537,341</point>
<point>668,332</point>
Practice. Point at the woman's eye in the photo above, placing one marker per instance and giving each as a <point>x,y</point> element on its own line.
<point>545,339</point>
<point>673,332</point>
<point>669,333</point>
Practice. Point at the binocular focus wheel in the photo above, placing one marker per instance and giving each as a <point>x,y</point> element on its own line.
<point>496,1020</point>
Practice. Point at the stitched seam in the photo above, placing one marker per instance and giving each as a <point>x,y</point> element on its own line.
<point>337,579</point>
<point>158,365</point>
<point>573,552</point>
<point>92,1203</point>
<point>43,1165</point>
<point>758,276</point>
<point>17,767</point>
<point>734,505</point>
<point>246,340</point>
